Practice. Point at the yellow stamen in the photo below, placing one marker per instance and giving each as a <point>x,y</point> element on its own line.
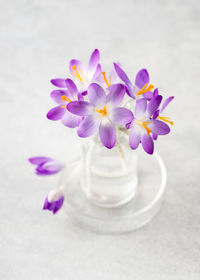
<point>103,111</point>
<point>165,119</point>
<point>76,74</point>
<point>105,79</point>
<point>145,89</point>
<point>65,98</point>
<point>144,125</point>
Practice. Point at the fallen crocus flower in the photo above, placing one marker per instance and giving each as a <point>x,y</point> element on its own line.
<point>54,201</point>
<point>46,166</point>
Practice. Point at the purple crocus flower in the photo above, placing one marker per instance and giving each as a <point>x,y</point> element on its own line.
<point>63,97</point>
<point>54,201</point>
<point>143,124</point>
<point>101,113</point>
<point>46,166</point>
<point>85,75</point>
<point>142,88</point>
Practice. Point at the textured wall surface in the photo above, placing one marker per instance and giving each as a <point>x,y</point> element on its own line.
<point>37,40</point>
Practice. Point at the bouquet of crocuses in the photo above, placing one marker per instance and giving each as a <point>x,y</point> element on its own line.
<point>92,102</point>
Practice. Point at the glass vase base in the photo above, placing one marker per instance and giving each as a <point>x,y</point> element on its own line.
<point>130,216</point>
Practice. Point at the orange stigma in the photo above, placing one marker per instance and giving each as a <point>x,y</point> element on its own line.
<point>145,89</point>
<point>65,98</point>
<point>103,111</point>
<point>108,83</point>
<point>144,125</point>
<point>165,119</point>
<point>78,73</point>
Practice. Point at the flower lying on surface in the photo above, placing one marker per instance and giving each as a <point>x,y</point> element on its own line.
<point>46,166</point>
<point>54,201</point>
<point>63,97</point>
<point>144,124</point>
<point>101,113</point>
<point>142,88</point>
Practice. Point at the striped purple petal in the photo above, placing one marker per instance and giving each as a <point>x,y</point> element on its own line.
<point>96,95</point>
<point>59,83</point>
<point>121,116</point>
<point>147,144</point>
<point>88,126</point>
<point>94,61</point>
<point>39,160</point>
<point>70,120</point>
<point>80,108</point>
<point>56,113</point>
<point>116,94</point>
<point>122,75</point>
<point>107,134</point>
<point>159,127</point>
<point>134,138</point>
<point>72,88</point>
<point>142,78</point>
<point>140,107</point>
<point>154,104</point>
<point>166,102</point>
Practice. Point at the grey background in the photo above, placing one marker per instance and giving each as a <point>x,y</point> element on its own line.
<point>37,39</point>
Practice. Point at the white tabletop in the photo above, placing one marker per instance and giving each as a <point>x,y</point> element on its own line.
<point>38,38</point>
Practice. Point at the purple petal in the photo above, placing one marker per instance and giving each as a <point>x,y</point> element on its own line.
<point>88,126</point>
<point>59,83</point>
<point>72,88</point>
<point>154,104</point>
<point>116,94</point>
<point>155,93</point>
<point>78,64</point>
<point>122,75</point>
<point>147,144</point>
<point>57,94</point>
<point>159,127</point>
<point>148,95</point>
<point>56,113</point>
<point>58,205</point>
<point>97,73</point>
<point>96,95</point>
<point>140,107</point>
<point>49,168</point>
<point>81,96</point>
<point>107,134</point>
<point>80,108</point>
<point>155,136</point>
<point>142,78</point>
<point>70,120</point>
<point>121,116</point>
<point>94,60</point>
<point>46,204</point>
<point>39,160</point>
<point>134,138</point>
<point>166,102</point>
<point>156,114</point>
